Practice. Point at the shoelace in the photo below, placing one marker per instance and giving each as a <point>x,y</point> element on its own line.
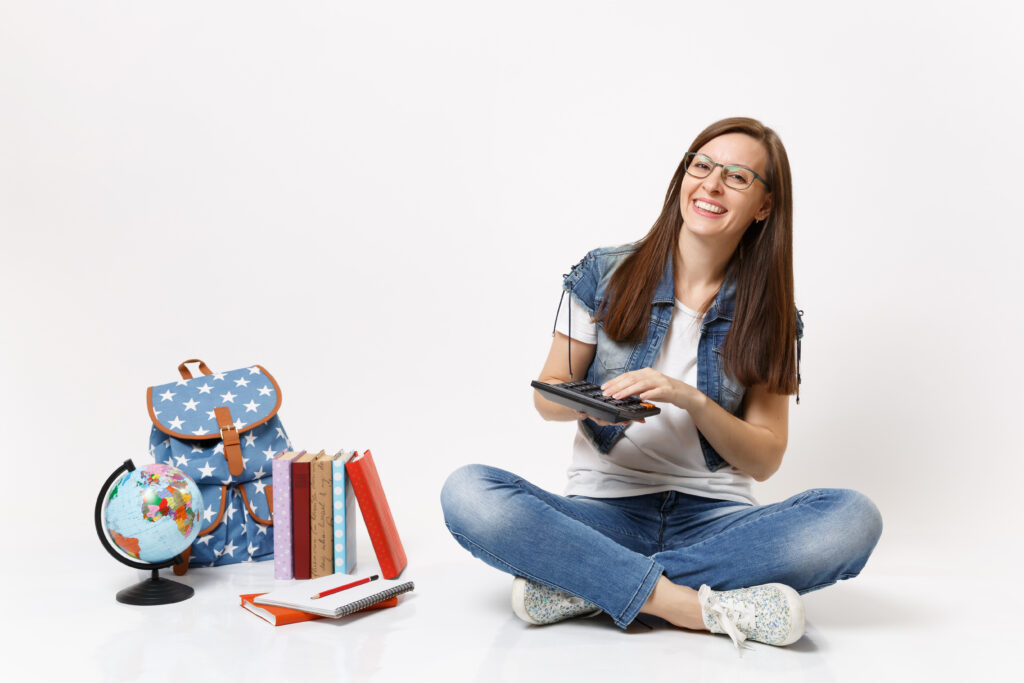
<point>732,616</point>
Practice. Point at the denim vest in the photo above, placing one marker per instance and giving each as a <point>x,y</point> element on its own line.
<point>587,283</point>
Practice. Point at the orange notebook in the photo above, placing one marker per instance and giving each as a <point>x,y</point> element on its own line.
<point>280,616</point>
<point>376,514</point>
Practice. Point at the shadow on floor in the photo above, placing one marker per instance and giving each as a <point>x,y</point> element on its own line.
<point>847,605</point>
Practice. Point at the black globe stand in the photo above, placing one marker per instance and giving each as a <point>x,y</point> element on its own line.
<point>154,590</point>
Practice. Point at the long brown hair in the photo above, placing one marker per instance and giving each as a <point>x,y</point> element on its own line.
<point>759,347</point>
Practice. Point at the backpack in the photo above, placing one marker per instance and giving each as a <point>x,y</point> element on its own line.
<point>222,429</point>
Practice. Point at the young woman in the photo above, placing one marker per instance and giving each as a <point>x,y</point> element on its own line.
<point>659,517</point>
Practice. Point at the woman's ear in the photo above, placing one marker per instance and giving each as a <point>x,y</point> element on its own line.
<point>766,208</point>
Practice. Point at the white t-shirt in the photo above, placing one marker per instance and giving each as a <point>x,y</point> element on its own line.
<point>663,453</point>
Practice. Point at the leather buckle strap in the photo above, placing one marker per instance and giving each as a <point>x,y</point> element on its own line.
<point>232,445</point>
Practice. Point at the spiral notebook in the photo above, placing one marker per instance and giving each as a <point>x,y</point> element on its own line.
<point>298,595</point>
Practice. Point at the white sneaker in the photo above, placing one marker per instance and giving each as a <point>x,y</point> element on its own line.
<point>771,613</point>
<point>535,603</point>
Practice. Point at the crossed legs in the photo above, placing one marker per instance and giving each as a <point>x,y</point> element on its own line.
<point>648,553</point>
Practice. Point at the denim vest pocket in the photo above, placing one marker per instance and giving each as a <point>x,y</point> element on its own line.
<point>612,357</point>
<point>731,392</point>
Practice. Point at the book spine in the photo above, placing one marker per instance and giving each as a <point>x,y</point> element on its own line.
<point>350,526</point>
<point>282,516</point>
<point>300,520</point>
<point>377,515</point>
<point>344,520</point>
<point>320,526</point>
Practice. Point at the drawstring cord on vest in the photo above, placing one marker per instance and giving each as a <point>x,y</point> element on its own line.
<point>798,379</point>
<point>555,327</point>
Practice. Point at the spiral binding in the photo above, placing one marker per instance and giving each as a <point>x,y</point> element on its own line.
<point>372,600</point>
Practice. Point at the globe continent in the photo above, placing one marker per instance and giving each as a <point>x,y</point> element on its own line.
<point>152,512</point>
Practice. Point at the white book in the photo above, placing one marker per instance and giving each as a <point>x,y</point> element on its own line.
<point>299,595</point>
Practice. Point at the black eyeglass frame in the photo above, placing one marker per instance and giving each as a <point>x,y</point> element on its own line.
<point>690,156</point>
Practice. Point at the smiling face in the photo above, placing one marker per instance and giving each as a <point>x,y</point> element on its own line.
<point>709,207</point>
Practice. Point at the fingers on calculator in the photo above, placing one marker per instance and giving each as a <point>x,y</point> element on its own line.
<point>588,398</point>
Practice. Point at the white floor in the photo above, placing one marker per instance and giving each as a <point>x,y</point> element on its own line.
<point>457,626</point>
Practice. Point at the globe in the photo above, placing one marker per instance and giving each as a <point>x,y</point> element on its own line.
<point>152,512</point>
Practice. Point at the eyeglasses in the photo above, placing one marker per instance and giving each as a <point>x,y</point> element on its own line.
<point>736,177</point>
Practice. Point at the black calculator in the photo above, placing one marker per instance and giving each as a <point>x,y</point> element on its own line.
<point>589,398</point>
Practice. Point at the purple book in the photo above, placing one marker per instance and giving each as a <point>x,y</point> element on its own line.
<point>282,473</point>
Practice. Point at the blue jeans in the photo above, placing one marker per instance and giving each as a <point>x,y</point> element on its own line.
<point>611,551</point>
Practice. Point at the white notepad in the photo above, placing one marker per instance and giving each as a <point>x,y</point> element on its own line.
<point>299,594</point>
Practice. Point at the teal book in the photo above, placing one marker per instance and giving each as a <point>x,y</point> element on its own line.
<point>344,515</point>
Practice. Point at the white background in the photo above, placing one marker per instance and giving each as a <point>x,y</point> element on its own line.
<point>377,202</point>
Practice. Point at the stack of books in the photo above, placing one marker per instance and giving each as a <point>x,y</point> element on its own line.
<point>313,503</point>
<point>314,515</point>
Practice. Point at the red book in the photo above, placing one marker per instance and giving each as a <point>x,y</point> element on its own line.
<point>300,516</point>
<point>376,514</point>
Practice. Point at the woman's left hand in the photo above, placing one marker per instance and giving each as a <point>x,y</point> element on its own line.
<point>650,385</point>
